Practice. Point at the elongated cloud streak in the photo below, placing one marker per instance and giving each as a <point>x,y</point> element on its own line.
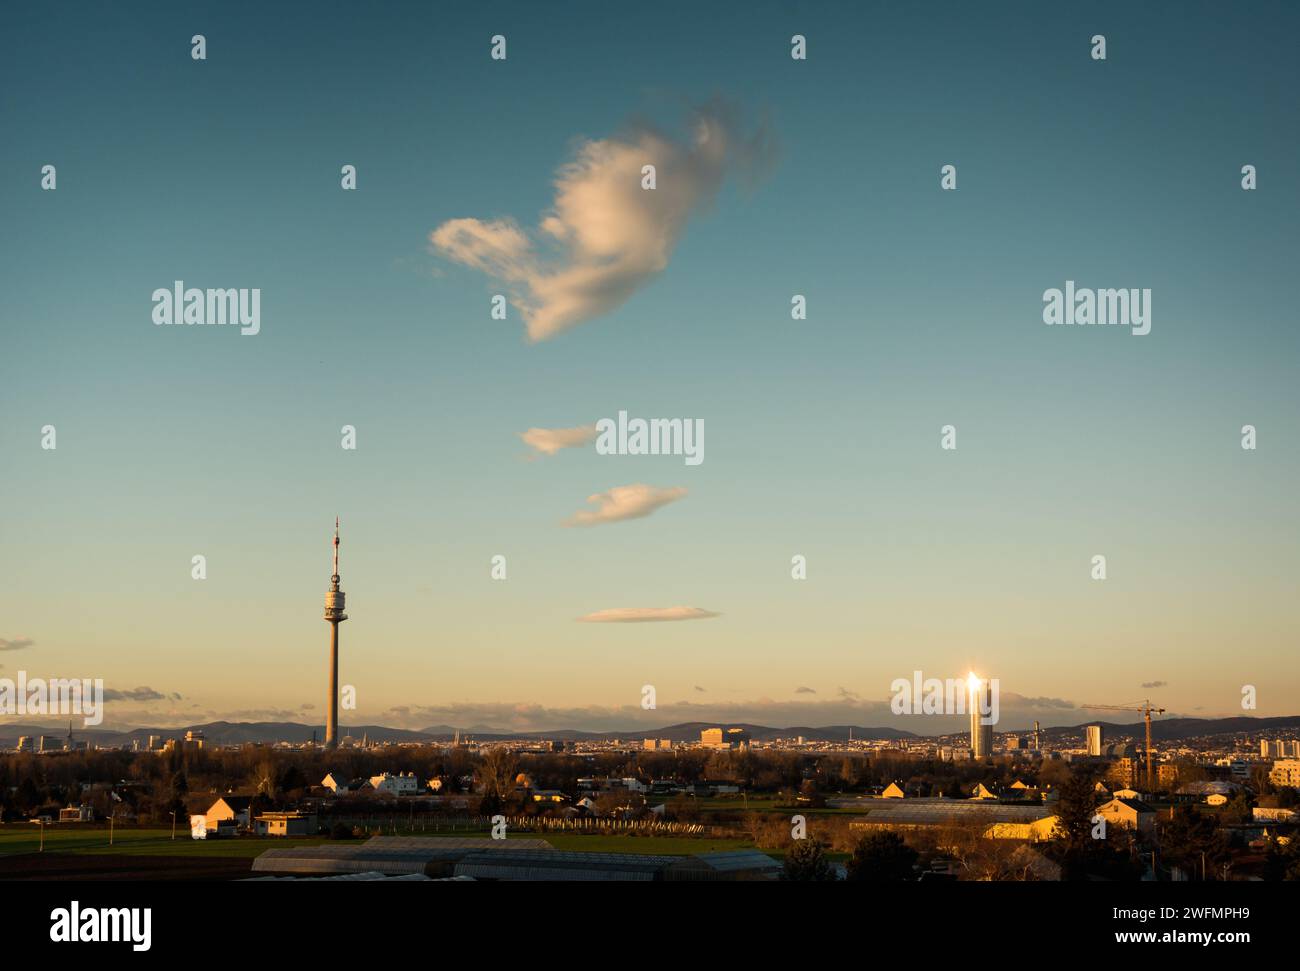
<point>548,441</point>
<point>624,502</point>
<point>15,644</point>
<point>635,615</point>
<point>605,236</point>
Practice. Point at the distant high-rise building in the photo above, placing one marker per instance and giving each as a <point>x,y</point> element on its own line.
<point>25,743</point>
<point>1038,738</point>
<point>335,601</point>
<point>1094,739</point>
<point>981,702</point>
<point>1123,773</point>
<point>724,738</point>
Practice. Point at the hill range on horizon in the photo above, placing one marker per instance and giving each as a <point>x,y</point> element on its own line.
<point>265,733</point>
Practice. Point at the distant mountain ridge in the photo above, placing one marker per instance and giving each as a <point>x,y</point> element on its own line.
<point>690,732</point>
<point>237,733</point>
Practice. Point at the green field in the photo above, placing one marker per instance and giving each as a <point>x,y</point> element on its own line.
<point>25,838</point>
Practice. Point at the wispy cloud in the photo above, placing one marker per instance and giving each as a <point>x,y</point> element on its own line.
<point>805,691</point>
<point>1155,684</point>
<point>15,644</point>
<point>624,502</point>
<point>548,441</point>
<point>605,236</point>
<point>135,694</point>
<point>633,615</point>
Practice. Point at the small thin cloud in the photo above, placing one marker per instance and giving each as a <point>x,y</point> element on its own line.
<point>625,502</point>
<point>134,694</point>
<point>15,644</point>
<point>801,690</point>
<point>1155,684</point>
<point>635,615</point>
<point>1038,704</point>
<point>699,689</point>
<point>548,441</point>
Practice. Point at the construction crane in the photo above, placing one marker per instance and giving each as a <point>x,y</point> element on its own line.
<point>1146,708</point>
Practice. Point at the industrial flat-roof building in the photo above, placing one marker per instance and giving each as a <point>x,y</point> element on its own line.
<point>392,855</point>
<point>919,813</point>
<point>481,858</point>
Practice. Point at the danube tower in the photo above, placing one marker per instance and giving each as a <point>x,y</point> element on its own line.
<point>334,603</point>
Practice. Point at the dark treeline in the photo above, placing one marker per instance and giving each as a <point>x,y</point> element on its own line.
<point>152,785</point>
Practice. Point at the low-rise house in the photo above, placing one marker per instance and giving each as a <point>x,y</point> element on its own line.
<point>893,791</point>
<point>230,808</point>
<point>404,784</point>
<point>1129,813</point>
<point>336,783</point>
<point>286,824</point>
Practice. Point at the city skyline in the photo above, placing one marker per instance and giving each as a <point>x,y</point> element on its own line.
<point>924,309</point>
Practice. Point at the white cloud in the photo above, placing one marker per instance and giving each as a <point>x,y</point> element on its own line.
<point>605,237</point>
<point>624,502</point>
<point>548,441</point>
<point>632,615</point>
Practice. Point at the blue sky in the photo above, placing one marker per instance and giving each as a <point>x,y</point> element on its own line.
<point>822,435</point>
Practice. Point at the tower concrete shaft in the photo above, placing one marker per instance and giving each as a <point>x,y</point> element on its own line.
<point>981,733</point>
<point>335,602</point>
